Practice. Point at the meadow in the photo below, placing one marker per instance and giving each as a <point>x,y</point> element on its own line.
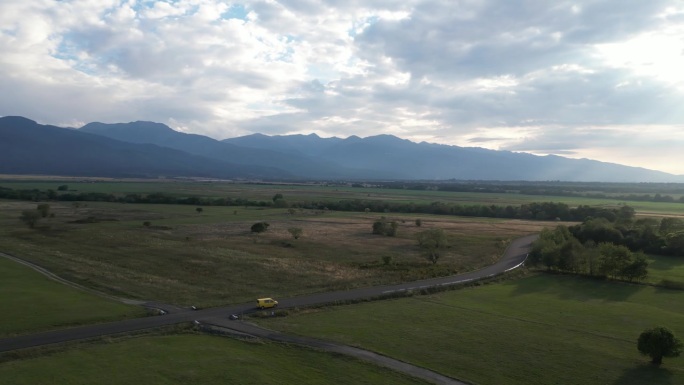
<point>211,258</point>
<point>32,302</point>
<point>337,192</point>
<point>194,359</point>
<point>541,329</point>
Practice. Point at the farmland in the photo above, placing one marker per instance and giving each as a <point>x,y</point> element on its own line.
<point>573,329</point>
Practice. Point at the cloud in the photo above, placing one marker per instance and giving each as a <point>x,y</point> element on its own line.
<point>560,77</point>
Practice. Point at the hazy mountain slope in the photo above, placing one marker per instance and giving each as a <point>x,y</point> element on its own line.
<point>152,149</point>
<point>409,160</point>
<point>309,145</point>
<point>30,148</point>
<point>162,135</point>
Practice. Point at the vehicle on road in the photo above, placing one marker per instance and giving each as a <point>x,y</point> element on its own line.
<point>265,303</point>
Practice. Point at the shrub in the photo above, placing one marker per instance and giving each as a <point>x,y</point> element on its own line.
<point>296,232</point>
<point>259,227</point>
<point>383,227</point>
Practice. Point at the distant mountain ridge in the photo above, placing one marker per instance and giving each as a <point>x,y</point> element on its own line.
<point>27,147</point>
<point>148,149</point>
<point>429,161</point>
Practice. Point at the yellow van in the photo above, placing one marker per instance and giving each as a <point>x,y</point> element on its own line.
<point>265,303</point>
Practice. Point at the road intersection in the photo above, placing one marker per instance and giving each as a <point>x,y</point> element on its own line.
<point>513,257</point>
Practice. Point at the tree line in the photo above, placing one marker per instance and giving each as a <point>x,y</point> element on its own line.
<point>568,189</point>
<point>536,211</point>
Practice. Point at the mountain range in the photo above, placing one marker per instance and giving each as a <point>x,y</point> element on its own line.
<point>151,150</point>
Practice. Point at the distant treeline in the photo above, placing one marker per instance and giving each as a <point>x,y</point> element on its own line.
<point>537,211</point>
<point>577,190</point>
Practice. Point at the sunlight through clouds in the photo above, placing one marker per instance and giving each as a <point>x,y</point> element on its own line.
<point>599,79</point>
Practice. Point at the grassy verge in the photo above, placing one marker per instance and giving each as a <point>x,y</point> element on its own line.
<point>195,359</point>
<point>537,330</point>
<point>32,302</point>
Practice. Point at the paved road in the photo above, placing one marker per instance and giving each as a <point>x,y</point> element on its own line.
<point>513,257</point>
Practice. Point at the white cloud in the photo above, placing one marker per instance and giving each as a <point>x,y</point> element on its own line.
<point>563,77</point>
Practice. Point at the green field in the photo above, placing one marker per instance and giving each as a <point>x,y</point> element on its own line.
<point>543,329</point>
<point>540,329</point>
<point>33,302</point>
<point>194,359</point>
<point>664,267</point>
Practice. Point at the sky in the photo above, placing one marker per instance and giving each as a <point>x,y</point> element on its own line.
<point>583,79</point>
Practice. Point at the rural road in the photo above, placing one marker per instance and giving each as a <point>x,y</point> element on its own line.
<point>513,257</point>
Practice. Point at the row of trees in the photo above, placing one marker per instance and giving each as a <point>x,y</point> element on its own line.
<point>569,189</point>
<point>538,211</point>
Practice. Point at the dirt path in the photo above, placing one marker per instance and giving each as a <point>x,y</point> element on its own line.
<point>148,304</point>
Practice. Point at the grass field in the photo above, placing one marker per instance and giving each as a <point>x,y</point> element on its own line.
<point>538,330</point>
<point>320,192</point>
<point>194,359</point>
<point>211,258</point>
<point>32,302</point>
<point>664,267</point>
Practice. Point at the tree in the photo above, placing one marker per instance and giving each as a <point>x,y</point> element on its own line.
<point>637,270</point>
<point>614,259</point>
<point>384,227</point>
<point>280,203</point>
<point>419,222</point>
<point>44,210</point>
<point>30,217</point>
<point>296,232</point>
<point>63,188</point>
<point>657,343</point>
<point>199,210</point>
<point>259,227</point>
<point>433,241</point>
<point>670,225</point>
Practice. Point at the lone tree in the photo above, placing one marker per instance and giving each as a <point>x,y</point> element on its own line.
<point>259,227</point>
<point>296,232</point>
<point>30,217</point>
<point>657,343</point>
<point>43,209</point>
<point>385,227</point>
<point>433,241</point>
<point>199,210</point>
<point>279,201</point>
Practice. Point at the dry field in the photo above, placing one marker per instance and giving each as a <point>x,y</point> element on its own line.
<point>212,258</point>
